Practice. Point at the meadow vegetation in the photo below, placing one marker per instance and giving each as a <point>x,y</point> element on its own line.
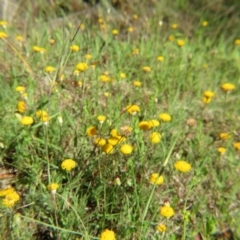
<point>120,120</point>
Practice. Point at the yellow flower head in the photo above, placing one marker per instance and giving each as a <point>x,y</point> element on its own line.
<point>6,191</point>
<point>81,67</point>
<point>161,228</point>
<point>10,199</point>
<point>3,35</point>
<point>19,38</point>
<point>174,26</point>
<point>100,142</point>
<point>224,136</point>
<point>237,42</point>
<point>135,51</point>
<point>68,164</point>
<point>122,75</point>
<point>130,29</point>
<point>91,131</point>
<point>105,78</point>
<point>144,125</point>
<point>39,49</point>
<point>204,23</point>
<point>107,148</point>
<point>49,69</point>
<point>137,83</point>
<point>41,113</point>
<point>146,69</point>
<point>171,38</point>
<point>3,23</point>
<point>155,137</point>
<point>227,87</point>
<point>20,89</point>
<point>222,150</point>
<point>133,109</point>
<point>182,166</point>
<point>165,117</point>
<point>21,107</point>
<point>116,140</point>
<point>107,235</point>
<point>74,48</point>
<point>126,149</point>
<point>101,118</point>
<point>53,187</point>
<point>114,133</point>
<point>26,120</point>
<point>208,94</point>
<point>180,42</point>
<point>236,145</point>
<point>88,56</point>
<point>135,16</point>
<point>115,32</point>
<point>166,211</point>
<point>156,179</point>
<point>153,123</point>
<point>160,58</point>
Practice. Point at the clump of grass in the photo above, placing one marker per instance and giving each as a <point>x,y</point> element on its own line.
<point>111,131</point>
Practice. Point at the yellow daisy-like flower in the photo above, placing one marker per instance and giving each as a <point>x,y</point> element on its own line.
<point>227,87</point>
<point>174,26</point>
<point>122,75</point>
<point>146,69</point>
<point>171,38</point>
<point>49,69</point>
<point>156,179</point>
<point>222,150</point>
<point>68,164</point>
<point>101,118</point>
<point>91,131</point>
<point>44,119</point>
<point>105,78</point>
<point>207,96</point>
<point>88,56</point>
<point>10,199</point>
<point>39,49</point>
<point>135,51</point>
<point>130,29</point>
<point>180,42</point>
<point>182,166</point>
<point>116,140</point>
<point>41,113</point>
<point>153,123</point>
<point>107,148</point>
<point>3,23</point>
<point>155,137</point>
<point>81,67</point>
<point>126,149</point>
<point>161,228</point>
<point>137,83</point>
<point>74,48</point>
<point>53,186</point>
<point>20,89</point>
<point>204,23</point>
<point>144,125</point>
<point>236,145</point>
<point>165,117</point>
<point>100,20</point>
<point>133,109</point>
<point>237,42</point>
<point>107,235</point>
<point>19,38</point>
<point>167,211</point>
<point>160,58</point>
<point>224,136</point>
<point>6,191</point>
<point>100,142</point>
<point>115,32</point>
<point>3,35</point>
<point>135,16</point>
<point>26,121</point>
<point>21,107</point>
<point>114,133</point>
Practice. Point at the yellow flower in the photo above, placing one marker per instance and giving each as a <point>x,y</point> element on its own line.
<point>3,23</point>
<point>115,32</point>
<point>237,42</point>
<point>3,35</point>
<point>100,20</point>
<point>122,75</point>
<point>44,119</point>
<point>81,67</point>
<point>114,133</point>
<point>101,118</point>
<point>100,142</point>
<point>135,51</point>
<point>107,148</point>
<point>153,123</point>
<point>20,89</point>
<point>156,179</point>
<point>161,228</point>
<point>137,83</point>
<point>26,121</point>
<point>19,38</point>
<point>130,29</point>
<point>52,41</point>
<point>10,199</point>
<point>166,211</point>
<point>107,235</point>
<point>204,23</point>
<point>74,48</point>
<point>174,26</point>
<point>41,113</point>
<point>222,150</point>
<point>182,166</point>
<point>133,109</point>
<point>21,106</point>
<point>116,140</point>
<point>224,136</point>
<point>236,145</point>
<point>227,87</point>
<point>207,96</point>
<point>146,69</point>
<point>39,49</point>
<point>91,131</point>
<point>135,16</point>
<point>126,149</point>
<point>160,58</point>
<point>155,137</point>
<point>171,38</point>
<point>206,100</point>
<point>6,191</point>
<point>144,125</point>
<point>53,187</point>
<point>88,56</point>
<point>180,42</point>
<point>49,69</point>
<point>105,78</point>
<point>165,117</point>
<point>68,164</point>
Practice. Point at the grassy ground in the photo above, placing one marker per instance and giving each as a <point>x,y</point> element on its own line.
<point>164,57</point>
